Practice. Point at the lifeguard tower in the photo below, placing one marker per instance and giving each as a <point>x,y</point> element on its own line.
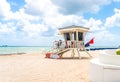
<point>74,38</point>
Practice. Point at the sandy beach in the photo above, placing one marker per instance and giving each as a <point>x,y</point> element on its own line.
<point>36,68</point>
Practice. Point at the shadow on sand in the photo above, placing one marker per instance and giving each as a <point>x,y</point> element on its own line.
<point>12,54</point>
<point>74,58</point>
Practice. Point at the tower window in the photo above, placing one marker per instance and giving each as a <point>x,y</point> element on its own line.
<point>67,36</point>
<point>80,36</point>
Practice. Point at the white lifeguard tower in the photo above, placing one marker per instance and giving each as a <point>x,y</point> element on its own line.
<point>74,37</point>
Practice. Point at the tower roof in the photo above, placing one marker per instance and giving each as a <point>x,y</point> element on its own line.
<point>73,28</point>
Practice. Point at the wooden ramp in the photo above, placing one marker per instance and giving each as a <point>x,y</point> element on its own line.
<point>63,51</point>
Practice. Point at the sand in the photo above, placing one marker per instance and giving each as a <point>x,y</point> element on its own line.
<point>33,67</point>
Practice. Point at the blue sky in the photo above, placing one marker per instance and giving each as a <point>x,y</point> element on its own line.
<point>36,22</point>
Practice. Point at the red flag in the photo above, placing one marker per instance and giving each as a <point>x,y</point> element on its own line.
<point>91,41</point>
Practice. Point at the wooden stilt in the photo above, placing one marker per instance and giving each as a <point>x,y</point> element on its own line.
<point>88,53</point>
<point>78,53</point>
<point>73,53</point>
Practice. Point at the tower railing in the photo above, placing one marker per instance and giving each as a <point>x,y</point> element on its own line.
<point>68,44</point>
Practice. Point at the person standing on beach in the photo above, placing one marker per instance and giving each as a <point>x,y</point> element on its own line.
<point>56,44</point>
<point>60,42</point>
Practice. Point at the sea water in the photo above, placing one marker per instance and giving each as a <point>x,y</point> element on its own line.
<point>23,49</point>
<point>36,49</point>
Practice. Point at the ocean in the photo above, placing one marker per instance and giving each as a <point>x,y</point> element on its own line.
<point>37,49</point>
<point>23,49</point>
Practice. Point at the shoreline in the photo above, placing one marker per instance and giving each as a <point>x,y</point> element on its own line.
<point>36,49</point>
<point>43,51</point>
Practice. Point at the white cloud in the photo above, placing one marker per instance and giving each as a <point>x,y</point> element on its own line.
<point>62,21</point>
<point>102,38</point>
<point>34,29</point>
<point>37,18</point>
<point>40,8</point>
<point>21,15</point>
<point>113,20</point>
<point>6,28</point>
<point>94,25</point>
<point>80,6</point>
<point>27,22</point>
<point>105,36</point>
<point>5,9</point>
<point>47,16</point>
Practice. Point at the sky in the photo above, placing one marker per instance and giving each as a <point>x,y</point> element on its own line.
<point>36,22</point>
